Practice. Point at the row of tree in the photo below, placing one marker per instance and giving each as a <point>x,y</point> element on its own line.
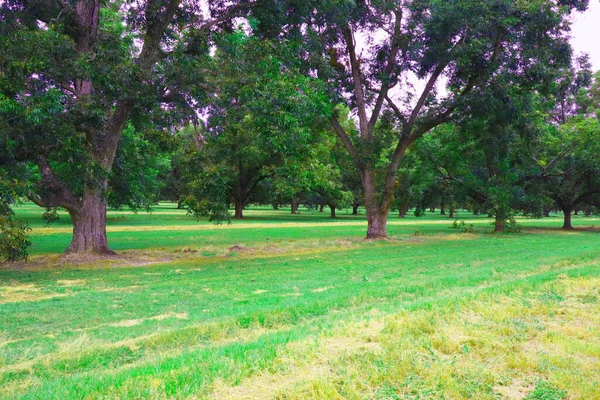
<point>382,103</point>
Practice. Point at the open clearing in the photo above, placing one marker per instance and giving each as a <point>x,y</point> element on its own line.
<point>300,307</point>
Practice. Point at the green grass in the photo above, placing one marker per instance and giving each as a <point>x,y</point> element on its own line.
<point>296,307</point>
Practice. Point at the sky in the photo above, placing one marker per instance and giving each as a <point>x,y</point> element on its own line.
<point>585,33</point>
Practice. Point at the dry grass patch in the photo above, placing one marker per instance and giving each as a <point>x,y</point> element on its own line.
<point>539,345</point>
<point>29,292</point>
<point>133,322</point>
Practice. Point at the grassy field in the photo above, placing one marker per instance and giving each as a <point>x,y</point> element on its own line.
<point>301,307</point>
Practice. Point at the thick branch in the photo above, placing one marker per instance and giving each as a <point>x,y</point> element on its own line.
<point>356,77</point>
<point>390,63</point>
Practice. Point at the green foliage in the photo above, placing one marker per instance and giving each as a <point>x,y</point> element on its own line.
<point>462,226</point>
<point>50,215</point>
<point>264,117</point>
<point>546,391</point>
<point>14,241</point>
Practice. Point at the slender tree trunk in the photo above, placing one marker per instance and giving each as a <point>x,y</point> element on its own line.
<point>567,218</point>
<point>499,223</point>
<point>89,225</point>
<point>451,215</point>
<point>239,209</point>
<point>332,208</point>
<point>443,209</point>
<point>275,206</point>
<point>179,204</point>
<point>295,206</point>
<point>576,212</point>
<point>403,210</point>
<point>321,207</point>
<point>355,206</point>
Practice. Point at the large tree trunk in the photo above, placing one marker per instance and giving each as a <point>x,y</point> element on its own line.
<point>377,225</point>
<point>89,225</point>
<point>239,209</point>
<point>332,208</point>
<point>567,219</point>
<point>376,212</point>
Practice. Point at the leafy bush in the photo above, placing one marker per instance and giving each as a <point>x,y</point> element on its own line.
<point>462,226</point>
<point>512,226</point>
<point>14,241</point>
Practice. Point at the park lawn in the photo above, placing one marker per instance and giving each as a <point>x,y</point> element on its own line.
<point>297,307</point>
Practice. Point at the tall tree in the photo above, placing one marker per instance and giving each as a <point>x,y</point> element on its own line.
<point>75,72</point>
<point>374,54</point>
<point>260,115</point>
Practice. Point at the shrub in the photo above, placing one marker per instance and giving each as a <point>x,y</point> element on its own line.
<point>14,241</point>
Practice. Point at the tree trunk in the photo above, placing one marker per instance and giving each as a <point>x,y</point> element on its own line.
<point>576,212</point>
<point>295,206</point>
<point>179,204</point>
<point>332,208</point>
<point>451,215</point>
<point>275,206</point>
<point>321,207</point>
<point>443,208</point>
<point>355,206</point>
<point>546,212</point>
<point>377,222</point>
<point>239,209</point>
<point>403,210</point>
<point>567,219</point>
<point>499,224</point>
<point>89,225</point>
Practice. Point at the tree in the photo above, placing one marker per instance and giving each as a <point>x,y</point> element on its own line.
<point>261,115</point>
<point>370,52</point>
<point>574,178</point>
<point>75,73</point>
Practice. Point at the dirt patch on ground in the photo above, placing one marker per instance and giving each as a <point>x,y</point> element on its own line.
<point>517,390</point>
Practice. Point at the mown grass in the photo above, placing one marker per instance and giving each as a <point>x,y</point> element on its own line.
<point>295,307</point>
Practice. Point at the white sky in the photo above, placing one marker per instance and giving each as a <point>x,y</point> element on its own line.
<point>585,34</point>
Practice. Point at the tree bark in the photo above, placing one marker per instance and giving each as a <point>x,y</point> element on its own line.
<point>295,206</point>
<point>332,208</point>
<point>499,224</point>
<point>321,207</point>
<point>567,218</point>
<point>377,225</point>
<point>239,209</point>
<point>89,225</point>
